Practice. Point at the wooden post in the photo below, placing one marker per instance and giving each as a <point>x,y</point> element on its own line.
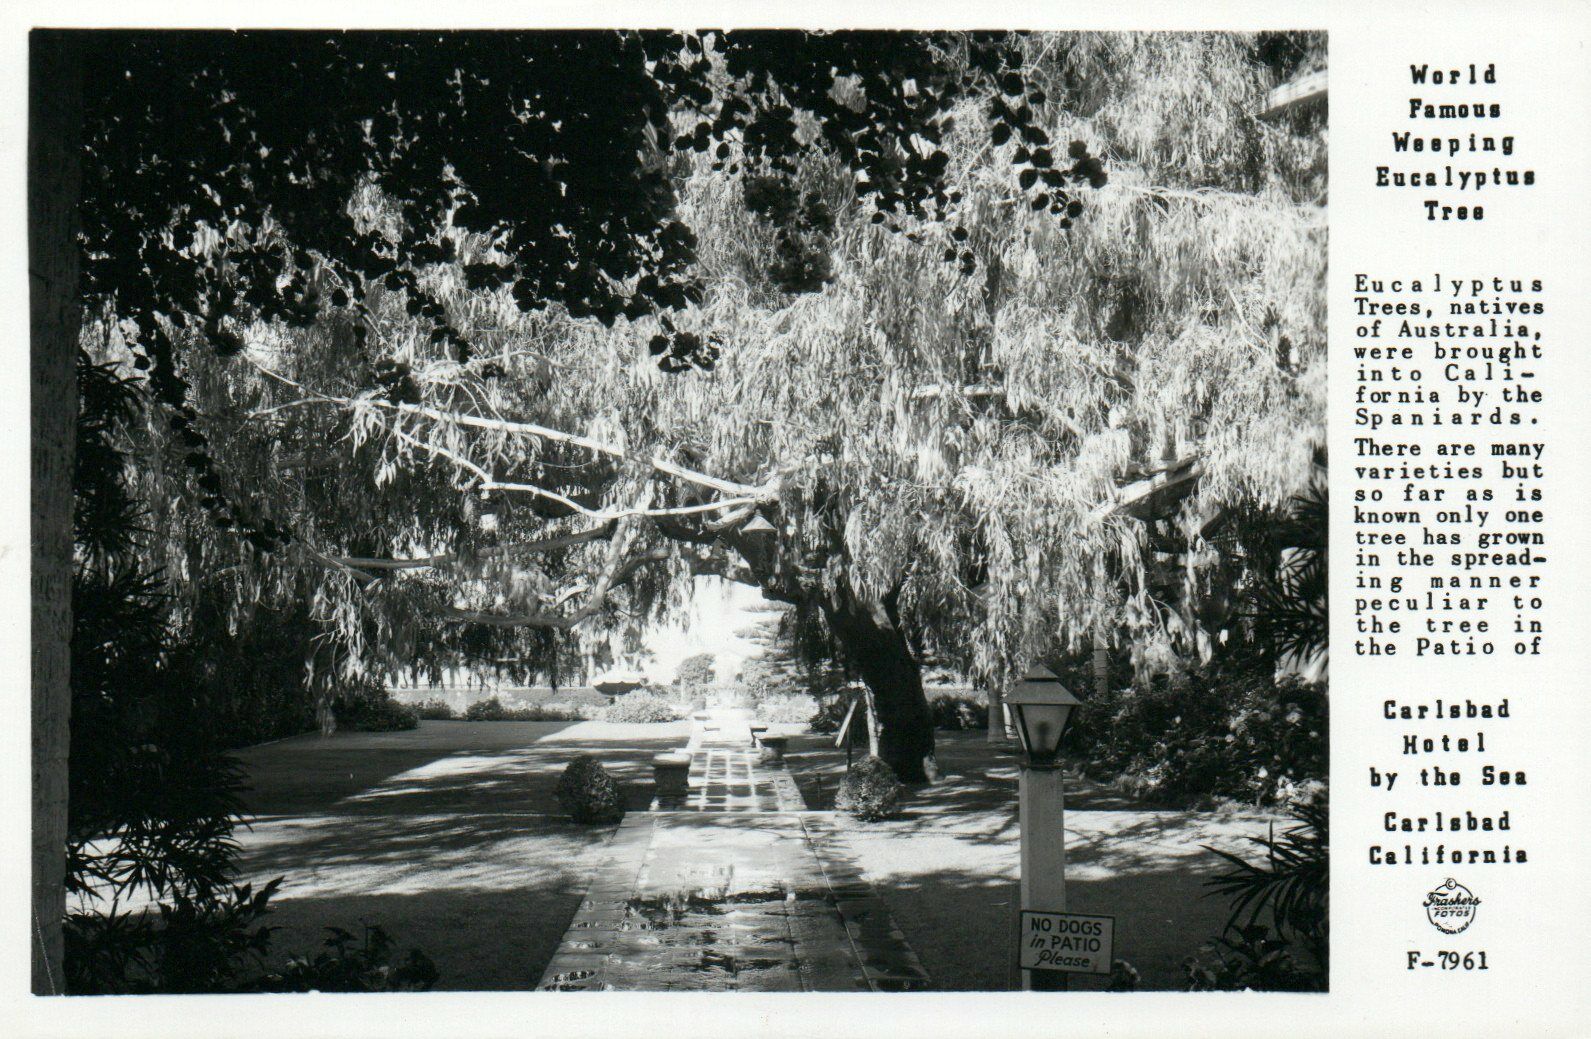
<point>872,726</point>
<point>1101,666</point>
<point>1041,815</point>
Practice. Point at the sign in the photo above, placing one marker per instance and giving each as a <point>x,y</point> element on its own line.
<point>1066,942</point>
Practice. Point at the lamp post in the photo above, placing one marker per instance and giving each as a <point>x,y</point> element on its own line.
<point>1042,708</point>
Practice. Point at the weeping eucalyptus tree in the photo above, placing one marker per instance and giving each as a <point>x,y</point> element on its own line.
<point>187,189</point>
<point>982,424</point>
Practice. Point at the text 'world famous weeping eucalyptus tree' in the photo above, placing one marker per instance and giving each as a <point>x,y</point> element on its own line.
<point>980,438</point>
<point>192,192</point>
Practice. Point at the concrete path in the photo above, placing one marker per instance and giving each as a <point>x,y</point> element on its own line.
<point>735,885</point>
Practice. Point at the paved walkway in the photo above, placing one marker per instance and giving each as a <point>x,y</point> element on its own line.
<point>735,885</point>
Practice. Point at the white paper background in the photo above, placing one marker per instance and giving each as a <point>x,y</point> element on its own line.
<point>1530,921</point>
<point>1535,981</point>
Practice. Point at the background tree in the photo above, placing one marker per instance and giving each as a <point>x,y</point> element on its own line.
<point>696,672</point>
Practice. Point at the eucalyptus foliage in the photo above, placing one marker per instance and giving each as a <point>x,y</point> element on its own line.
<point>981,338</point>
<point>917,429</point>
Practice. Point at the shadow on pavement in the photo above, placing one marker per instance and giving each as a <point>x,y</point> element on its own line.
<point>448,836</point>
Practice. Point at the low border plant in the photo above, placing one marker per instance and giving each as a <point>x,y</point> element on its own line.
<point>869,792</point>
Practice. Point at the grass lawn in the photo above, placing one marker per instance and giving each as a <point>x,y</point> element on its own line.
<point>948,865</point>
<point>448,836</point>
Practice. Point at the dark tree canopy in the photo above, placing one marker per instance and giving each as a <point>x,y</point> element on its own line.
<point>222,172</point>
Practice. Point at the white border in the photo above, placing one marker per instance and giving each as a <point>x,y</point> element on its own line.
<point>1362,1002</point>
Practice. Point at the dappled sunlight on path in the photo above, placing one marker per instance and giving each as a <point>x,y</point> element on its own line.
<point>732,886</point>
<point>449,836</point>
<point>948,865</point>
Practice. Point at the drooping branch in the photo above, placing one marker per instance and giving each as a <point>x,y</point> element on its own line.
<point>614,578</point>
<point>438,451</point>
<point>608,515</point>
<point>742,493</point>
<point>527,548</point>
<point>748,495</point>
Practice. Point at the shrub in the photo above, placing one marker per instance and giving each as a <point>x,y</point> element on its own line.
<point>1249,959</point>
<point>1291,883</point>
<point>488,710</point>
<point>345,965</point>
<point>153,802</point>
<point>829,715</point>
<point>493,709</point>
<point>1215,733</point>
<point>956,712</point>
<point>216,942</point>
<point>785,709</point>
<point>642,707</point>
<point>1289,886</point>
<point>588,794</point>
<point>435,710</point>
<point>211,940</point>
<point>1124,977</point>
<point>695,672</point>
<point>869,791</point>
<point>566,712</point>
<point>365,711</point>
<point>250,686</point>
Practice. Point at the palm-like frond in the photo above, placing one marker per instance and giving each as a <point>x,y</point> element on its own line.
<point>1291,883</point>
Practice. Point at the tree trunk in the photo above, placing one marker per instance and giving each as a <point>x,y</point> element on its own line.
<point>996,704</point>
<point>1101,666</point>
<point>871,720</point>
<point>870,633</point>
<point>54,141</point>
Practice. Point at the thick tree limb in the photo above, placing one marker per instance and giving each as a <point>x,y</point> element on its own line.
<point>607,515</point>
<point>576,440</point>
<point>357,573</point>
<point>487,482</point>
<point>1289,95</point>
<point>1156,495</point>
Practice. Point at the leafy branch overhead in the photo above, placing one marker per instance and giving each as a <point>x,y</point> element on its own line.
<point>859,319</point>
<point>225,171</point>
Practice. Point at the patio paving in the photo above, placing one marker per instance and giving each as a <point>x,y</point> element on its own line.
<point>734,885</point>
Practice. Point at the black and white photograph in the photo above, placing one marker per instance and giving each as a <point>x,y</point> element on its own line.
<point>566,511</point>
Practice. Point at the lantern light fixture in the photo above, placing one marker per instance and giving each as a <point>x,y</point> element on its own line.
<point>1043,708</point>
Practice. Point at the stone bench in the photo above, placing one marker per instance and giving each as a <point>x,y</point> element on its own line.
<point>671,774</point>
<point>756,733</point>
<point>773,747</point>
